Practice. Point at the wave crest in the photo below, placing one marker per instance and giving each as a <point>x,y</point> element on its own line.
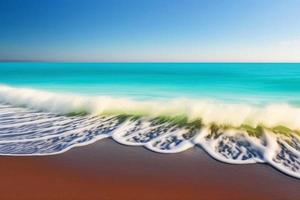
<point>209,111</point>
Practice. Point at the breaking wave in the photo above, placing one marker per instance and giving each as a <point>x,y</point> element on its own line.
<point>36,122</point>
<point>209,111</point>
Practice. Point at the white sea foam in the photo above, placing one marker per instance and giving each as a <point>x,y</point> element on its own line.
<point>208,110</point>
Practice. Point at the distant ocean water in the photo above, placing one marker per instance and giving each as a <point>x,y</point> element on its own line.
<point>238,112</point>
<point>256,83</point>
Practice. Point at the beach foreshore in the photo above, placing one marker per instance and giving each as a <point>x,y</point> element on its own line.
<point>107,170</point>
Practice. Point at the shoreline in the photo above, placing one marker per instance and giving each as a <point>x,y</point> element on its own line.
<point>108,170</point>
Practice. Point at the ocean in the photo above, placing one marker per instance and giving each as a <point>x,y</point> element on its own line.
<point>238,112</point>
<point>256,83</point>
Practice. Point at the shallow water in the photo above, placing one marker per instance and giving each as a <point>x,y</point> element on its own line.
<point>25,132</point>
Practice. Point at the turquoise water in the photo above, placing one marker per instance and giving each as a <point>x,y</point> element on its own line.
<point>256,83</point>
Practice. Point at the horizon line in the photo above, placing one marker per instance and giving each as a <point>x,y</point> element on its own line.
<point>70,61</point>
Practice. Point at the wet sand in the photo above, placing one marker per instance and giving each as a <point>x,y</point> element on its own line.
<point>108,171</point>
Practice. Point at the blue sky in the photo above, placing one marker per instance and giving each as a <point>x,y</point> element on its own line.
<point>150,30</point>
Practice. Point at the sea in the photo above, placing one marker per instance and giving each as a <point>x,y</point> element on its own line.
<point>238,113</point>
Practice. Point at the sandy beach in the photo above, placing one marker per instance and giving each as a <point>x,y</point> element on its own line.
<point>107,170</point>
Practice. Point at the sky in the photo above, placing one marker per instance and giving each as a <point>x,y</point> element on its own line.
<point>150,30</point>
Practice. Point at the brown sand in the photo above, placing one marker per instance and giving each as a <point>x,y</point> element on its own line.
<point>106,170</point>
